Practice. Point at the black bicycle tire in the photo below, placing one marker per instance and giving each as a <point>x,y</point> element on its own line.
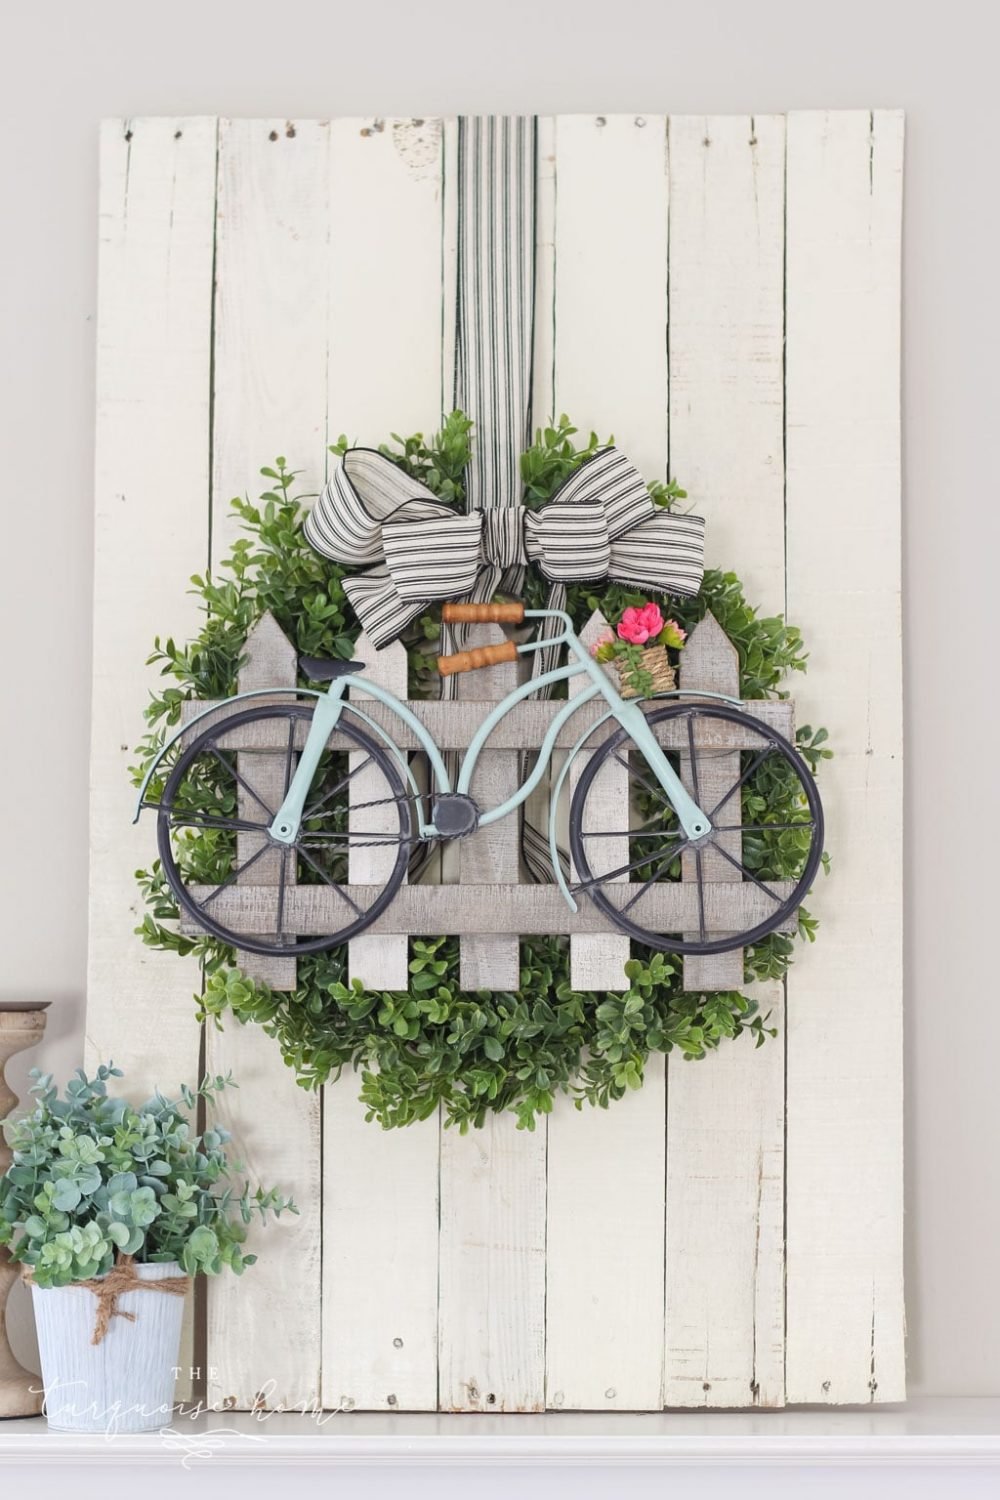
<point>732,941</point>
<point>244,942</point>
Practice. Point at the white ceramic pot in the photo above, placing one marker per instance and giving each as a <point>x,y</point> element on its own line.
<point>126,1382</point>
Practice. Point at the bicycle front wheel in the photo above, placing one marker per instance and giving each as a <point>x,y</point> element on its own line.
<point>745,879</point>
<point>213,841</point>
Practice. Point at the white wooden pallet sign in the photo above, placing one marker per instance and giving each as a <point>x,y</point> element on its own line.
<point>732,1234</point>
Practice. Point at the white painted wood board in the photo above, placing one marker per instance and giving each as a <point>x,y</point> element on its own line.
<point>269,399</point>
<point>845,1105</point>
<point>154,352</point>
<point>605,1284</point>
<point>380,1189</point>
<point>319,331</point>
<point>725,1115</point>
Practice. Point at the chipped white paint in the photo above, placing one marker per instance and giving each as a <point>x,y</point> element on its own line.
<point>270,399</point>
<point>154,350</point>
<point>380,1189</point>
<point>725,1130</point>
<point>606,1172</point>
<point>845,1107</point>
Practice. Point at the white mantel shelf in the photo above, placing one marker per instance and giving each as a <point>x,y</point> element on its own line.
<point>926,1434</point>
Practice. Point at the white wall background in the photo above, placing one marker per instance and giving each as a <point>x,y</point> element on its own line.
<point>68,65</point>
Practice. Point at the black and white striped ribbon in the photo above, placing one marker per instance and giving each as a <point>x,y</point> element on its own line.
<point>601,523</point>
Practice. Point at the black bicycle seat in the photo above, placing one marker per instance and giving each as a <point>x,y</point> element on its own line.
<point>318,670</point>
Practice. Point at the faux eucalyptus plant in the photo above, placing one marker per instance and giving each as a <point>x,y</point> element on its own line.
<point>92,1178</point>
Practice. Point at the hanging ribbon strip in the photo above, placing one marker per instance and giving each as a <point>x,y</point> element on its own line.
<point>601,523</point>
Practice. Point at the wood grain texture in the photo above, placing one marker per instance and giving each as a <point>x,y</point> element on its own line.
<point>380,1188</point>
<point>452,726</point>
<point>154,353</point>
<point>845,1117</point>
<point>598,963</point>
<point>492,1250</point>
<point>710,664</point>
<point>497,910</point>
<point>725,1128</point>
<point>492,855</point>
<point>606,1170</point>
<point>381,963</point>
<point>157,224</point>
<point>269,399</point>
<point>493,1269</point>
<point>270,661</point>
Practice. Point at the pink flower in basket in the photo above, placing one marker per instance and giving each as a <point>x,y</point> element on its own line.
<point>640,625</point>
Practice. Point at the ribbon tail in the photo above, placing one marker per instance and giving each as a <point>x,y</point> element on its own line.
<point>534,840</point>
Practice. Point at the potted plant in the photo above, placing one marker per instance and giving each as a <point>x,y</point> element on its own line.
<point>639,648</point>
<point>111,1210</point>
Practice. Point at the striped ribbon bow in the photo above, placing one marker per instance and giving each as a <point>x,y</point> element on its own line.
<point>601,523</point>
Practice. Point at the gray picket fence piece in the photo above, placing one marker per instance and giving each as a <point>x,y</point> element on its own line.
<point>492,904</point>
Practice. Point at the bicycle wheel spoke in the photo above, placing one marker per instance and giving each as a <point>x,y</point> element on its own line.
<point>636,864</point>
<point>242,781</point>
<point>289,755</point>
<point>664,864</point>
<point>629,833</point>
<point>282,881</point>
<point>311,812</point>
<point>331,883</point>
<point>748,873</point>
<point>760,827</point>
<point>653,787</point>
<point>198,820</point>
<point>234,876</point>
<point>701,895</point>
<point>760,756</point>
<point>693,757</point>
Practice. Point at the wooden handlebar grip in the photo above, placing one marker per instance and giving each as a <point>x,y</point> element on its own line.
<point>481,656</point>
<point>483,614</point>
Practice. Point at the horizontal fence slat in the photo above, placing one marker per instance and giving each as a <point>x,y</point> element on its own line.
<point>452,725</point>
<point>729,907</point>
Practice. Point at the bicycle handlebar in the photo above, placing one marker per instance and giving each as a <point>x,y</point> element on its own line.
<point>481,656</point>
<point>482,614</point>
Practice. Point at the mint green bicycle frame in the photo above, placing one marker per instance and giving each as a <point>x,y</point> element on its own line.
<point>330,704</point>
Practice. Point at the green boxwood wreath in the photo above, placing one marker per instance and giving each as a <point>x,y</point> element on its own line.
<point>433,1044</point>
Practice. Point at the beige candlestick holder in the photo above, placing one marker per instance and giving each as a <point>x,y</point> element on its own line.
<point>21,1026</point>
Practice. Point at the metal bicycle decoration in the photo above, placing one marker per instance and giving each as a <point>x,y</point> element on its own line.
<point>666,828</point>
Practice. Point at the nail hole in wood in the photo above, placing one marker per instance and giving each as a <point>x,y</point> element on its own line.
<point>273,136</point>
<point>397,1343</point>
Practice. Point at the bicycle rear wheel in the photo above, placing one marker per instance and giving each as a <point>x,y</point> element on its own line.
<point>213,840</point>
<point>745,879</point>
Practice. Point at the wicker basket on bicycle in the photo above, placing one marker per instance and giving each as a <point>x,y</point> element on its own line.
<point>656,662</point>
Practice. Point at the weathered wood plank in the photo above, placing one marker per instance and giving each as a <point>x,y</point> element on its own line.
<point>598,963</point>
<point>725,1135</point>
<point>493,908</point>
<point>380,1188</point>
<point>154,350</point>
<point>270,661</point>
<point>845,1105</point>
<point>270,398</point>
<point>492,1330</point>
<point>492,1253</point>
<point>610,358</point>
<point>381,963</point>
<point>452,726</point>
<point>492,855</point>
<point>710,663</point>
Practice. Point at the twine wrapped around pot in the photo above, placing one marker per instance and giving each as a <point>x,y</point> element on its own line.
<point>115,1283</point>
<point>657,663</point>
